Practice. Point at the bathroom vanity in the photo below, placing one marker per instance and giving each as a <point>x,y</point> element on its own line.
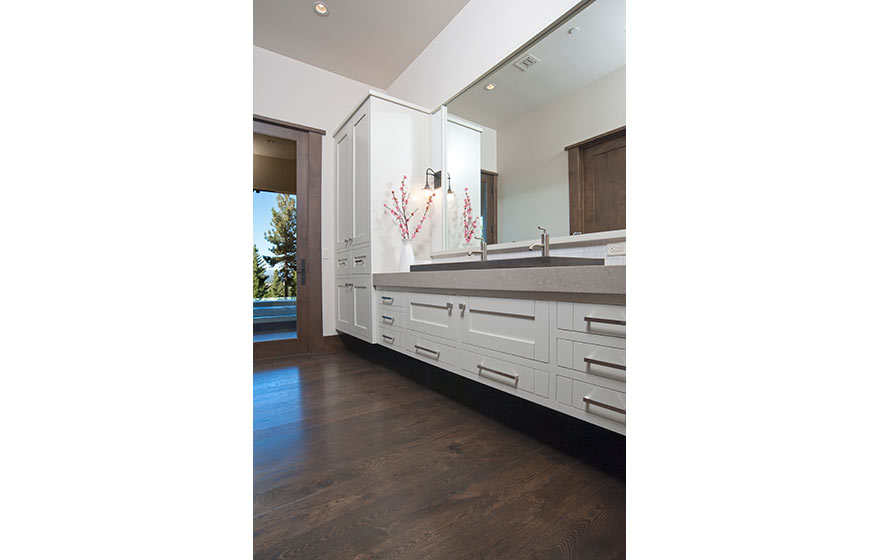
<point>555,336</point>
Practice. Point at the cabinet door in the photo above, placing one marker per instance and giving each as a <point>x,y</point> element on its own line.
<point>343,305</point>
<point>432,314</point>
<point>343,189</point>
<point>361,178</point>
<point>519,327</point>
<point>362,297</point>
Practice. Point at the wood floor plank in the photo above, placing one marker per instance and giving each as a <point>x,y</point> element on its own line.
<point>356,459</point>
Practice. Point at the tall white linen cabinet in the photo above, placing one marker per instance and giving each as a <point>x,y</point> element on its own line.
<point>382,140</point>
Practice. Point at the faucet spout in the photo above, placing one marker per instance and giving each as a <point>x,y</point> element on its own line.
<point>544,243</point>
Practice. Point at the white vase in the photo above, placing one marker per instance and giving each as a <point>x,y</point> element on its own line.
<point>407,257</point>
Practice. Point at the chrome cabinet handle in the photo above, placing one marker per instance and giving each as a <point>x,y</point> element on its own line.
<point>388,298</point>
<point>386,337</point>
<point>513,376</point>
<point>359,261</point>
<point>590,401</point>
<point>386,317</point>
<point>606,364</point>
<point>427,350</point>
<point>608,321</point>
<point>461,306</point>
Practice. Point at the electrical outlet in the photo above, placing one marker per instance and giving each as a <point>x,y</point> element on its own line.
<point>617,249</point>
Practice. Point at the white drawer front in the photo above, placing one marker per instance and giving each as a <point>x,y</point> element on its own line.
<point>604,362</point>
<point>389,299</point>
<point>391,338</point>
<point>593,318</point>
<point>519,327</point>
<point>591,400</point>
<point>360,260</point>
<point>432,314</point>
<point>343,263</point>
<point>389,317</point>
<point>431,350</point>
<point>493,371</point>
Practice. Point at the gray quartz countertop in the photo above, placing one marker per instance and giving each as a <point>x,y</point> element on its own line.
<point>557,279</point>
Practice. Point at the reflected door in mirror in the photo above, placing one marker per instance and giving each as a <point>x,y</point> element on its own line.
<point>489,205</point>
<point>597,183</point>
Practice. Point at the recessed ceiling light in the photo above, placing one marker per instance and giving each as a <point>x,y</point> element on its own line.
<point>321,9</point>
<point>489,87</point>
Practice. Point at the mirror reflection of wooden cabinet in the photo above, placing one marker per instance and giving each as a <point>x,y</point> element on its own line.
<point>597,183</point>
<point>489,204</point>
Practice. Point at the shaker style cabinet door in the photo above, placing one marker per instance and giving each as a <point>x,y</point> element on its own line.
<point>360,190</point>
<point>343,189</point>
<point>361,299</point>
<point>343,304</point>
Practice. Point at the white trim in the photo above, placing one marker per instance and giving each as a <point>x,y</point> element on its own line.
<point>379,95</point>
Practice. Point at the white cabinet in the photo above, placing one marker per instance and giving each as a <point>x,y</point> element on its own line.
<point>382,140</point>
<point>353,181</point>
<point>529,348</point>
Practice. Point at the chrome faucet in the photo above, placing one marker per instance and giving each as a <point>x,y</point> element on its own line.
<point>484,250</point>
<point>545,243</point>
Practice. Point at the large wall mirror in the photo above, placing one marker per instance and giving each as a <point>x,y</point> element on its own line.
<point>541,139</point>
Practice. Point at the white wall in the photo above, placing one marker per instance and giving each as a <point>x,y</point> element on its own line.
<point>299,93</point>
<point>533,181</point>
<point>482,34</point>
<point>489,149</point>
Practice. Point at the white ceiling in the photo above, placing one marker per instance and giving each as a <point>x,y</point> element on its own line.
<point>372,41</point>
<point>568,63</point>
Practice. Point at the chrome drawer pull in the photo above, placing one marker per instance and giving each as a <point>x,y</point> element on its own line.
<point>388,298</point>
<point>386,317</point>
<point>386,337</point>
<point>427,350</point>
<point>359,261</point>
<point>606,364</point>
<point>603,405</point>
<point>515,377</point>
<point>608,321</point>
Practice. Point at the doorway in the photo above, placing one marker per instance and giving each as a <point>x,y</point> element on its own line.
<point>287,306</point>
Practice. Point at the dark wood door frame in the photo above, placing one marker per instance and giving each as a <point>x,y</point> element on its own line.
<point>309,301</point>
<point>582,200</point>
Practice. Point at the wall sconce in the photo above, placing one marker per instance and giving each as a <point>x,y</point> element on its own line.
<point>450,196</point>
<point>437,178</point>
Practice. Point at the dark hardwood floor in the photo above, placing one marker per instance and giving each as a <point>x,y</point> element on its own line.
<point>376,455</point>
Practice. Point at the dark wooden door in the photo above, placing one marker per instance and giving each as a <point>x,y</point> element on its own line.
<point>489,204</point>
<point>597,183</point>
<point>307,187</point>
